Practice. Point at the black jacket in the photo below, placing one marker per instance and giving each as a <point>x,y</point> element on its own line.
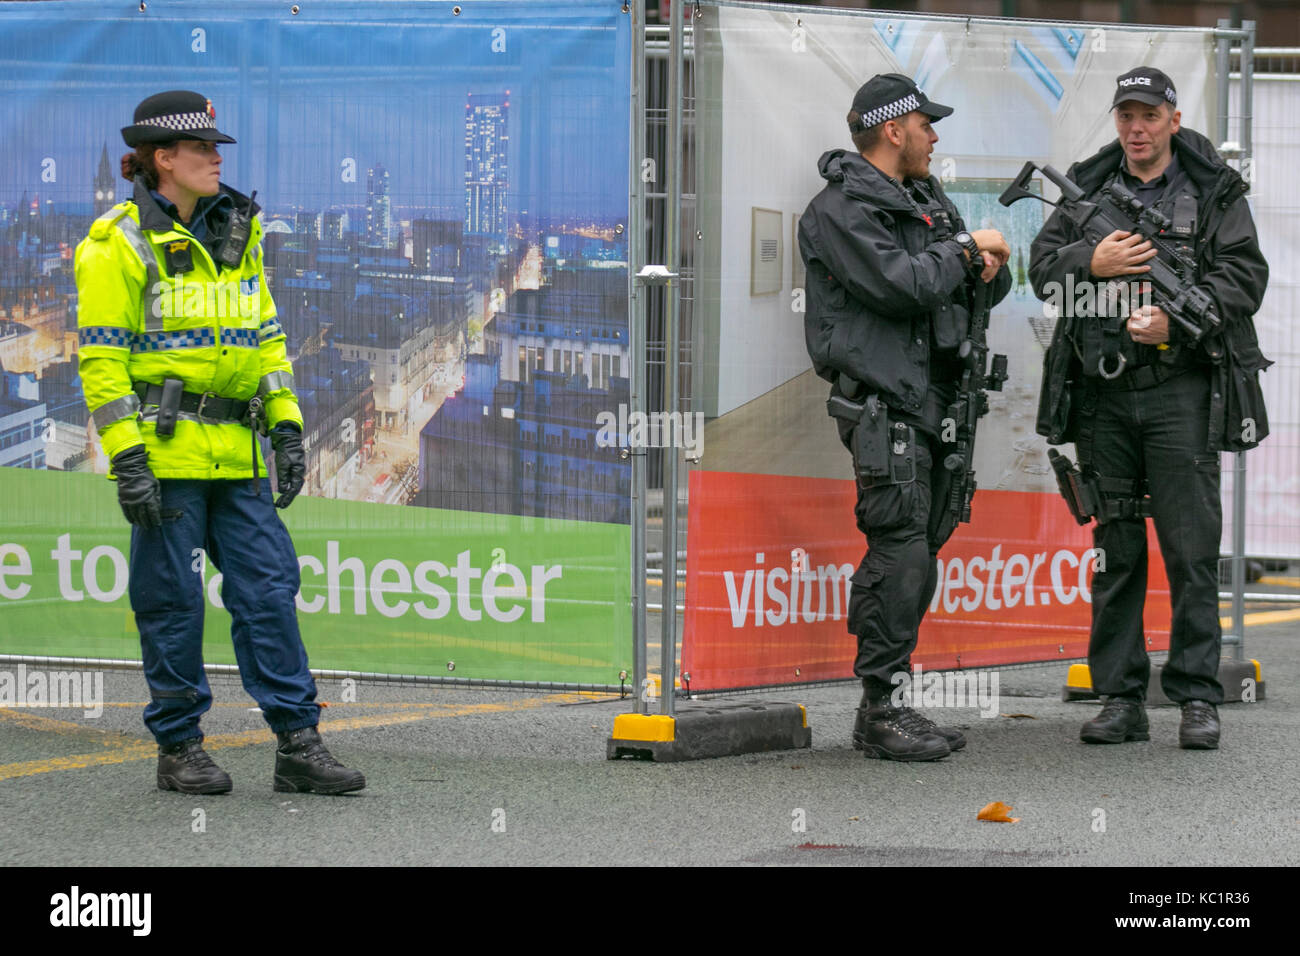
<point>1230,268</point>
<point>879,288</point>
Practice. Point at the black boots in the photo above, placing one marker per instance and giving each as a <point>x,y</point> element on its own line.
<point>1121,719</point>
<point>184,766</point>
<point>303,765</point>
<point>1124,718</point>
<point>951,735</point>
<point>1199,729</point>
<point>885,732</point>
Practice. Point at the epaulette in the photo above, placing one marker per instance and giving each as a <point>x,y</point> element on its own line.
<point>102,227</point>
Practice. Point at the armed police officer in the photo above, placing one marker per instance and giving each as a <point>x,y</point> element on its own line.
<point>180,358</point>
<point>890,272</point>
<point>1150,401</point>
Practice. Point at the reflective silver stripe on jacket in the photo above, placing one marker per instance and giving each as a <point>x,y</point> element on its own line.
<point>274,381</point>
<point>125,407</point>
<point>131,229</point>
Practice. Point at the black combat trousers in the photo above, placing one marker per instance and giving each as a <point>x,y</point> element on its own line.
<point>892,588</point>
<point>1156,434</point>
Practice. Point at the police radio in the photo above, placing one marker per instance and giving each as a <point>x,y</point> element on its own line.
<point>238,229</point>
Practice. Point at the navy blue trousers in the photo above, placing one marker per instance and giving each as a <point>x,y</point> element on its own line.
<point>243,535</point>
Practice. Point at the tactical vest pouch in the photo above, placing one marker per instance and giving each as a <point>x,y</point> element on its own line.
<point>1058,394</point>
<point>902,453</point>
<point>951,325</point>
<point>871,442</point>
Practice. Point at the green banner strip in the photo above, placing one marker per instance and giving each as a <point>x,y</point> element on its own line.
<point>400,590</point>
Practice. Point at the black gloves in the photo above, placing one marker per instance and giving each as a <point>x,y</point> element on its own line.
<point>290,462</point>
<point>138,491</point>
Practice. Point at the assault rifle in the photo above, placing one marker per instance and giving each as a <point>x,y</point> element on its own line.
<point>1172,269</point>
<point>972,399</point>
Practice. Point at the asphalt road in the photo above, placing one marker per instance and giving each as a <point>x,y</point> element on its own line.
<point>472,777</point>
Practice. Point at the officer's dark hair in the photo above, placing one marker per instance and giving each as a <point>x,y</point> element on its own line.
<point>865,138</point>
<point>140,163</point>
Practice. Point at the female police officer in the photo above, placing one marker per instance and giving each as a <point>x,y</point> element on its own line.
<point>180,352</point>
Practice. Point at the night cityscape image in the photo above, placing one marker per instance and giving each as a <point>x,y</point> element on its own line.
<point>456,313</point>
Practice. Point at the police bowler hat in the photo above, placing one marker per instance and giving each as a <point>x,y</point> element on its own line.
<point>176,114</point>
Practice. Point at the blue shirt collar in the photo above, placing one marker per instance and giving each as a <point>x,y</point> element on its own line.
<point>199,220</point>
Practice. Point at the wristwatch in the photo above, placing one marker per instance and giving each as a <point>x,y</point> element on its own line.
<point>967,242</point>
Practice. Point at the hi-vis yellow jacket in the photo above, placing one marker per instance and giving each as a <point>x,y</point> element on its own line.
<point>214,327</point>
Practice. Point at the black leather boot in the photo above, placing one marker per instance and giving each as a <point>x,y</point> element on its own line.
<point>303,765</point>
<point>954,737</point>
<point>1199,729</point>
<point>186,767</point>
<point>897,733</point>
<point>1121,719</point>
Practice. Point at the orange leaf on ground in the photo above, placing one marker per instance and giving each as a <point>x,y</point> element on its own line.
<point>996,812</point>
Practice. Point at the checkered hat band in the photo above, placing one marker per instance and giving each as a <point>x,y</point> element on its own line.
<point>1170,95</point>
<point>891,110</point>
<point>181,121</point>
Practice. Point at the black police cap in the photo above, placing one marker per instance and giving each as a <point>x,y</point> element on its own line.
<point>1145,84</point>
<point>176,114</point>
<point>888,96</point>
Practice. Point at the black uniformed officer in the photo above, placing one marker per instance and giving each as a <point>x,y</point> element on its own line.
<point>889,282</point>
<point>1157,426</point>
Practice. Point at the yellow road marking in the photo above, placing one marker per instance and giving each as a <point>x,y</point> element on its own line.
<point>145,750</point>
<point>34,721</point>
<point>1280,581</point>
<point>1264,617</point>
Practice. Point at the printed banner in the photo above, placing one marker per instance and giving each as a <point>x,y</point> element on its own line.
<point>444,197</point>
<point>389,590</point>
<point>773,87</point>
<point>767,583</point>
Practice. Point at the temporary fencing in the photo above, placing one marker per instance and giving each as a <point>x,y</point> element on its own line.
<point>455,220</point>
<point>446,205</point>
<point>772,540</point>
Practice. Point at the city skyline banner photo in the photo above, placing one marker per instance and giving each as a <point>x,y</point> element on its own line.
<point>444,202</point>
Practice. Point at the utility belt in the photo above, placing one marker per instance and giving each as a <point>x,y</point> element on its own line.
<point>884,451</point>
<point>1143,376</point>
<point>1109,362</point>
<point>207,408</point>
<point>173,402</point>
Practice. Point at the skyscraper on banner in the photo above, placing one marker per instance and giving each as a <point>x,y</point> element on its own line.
<point>486,169</point>
<point>379,213</point>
